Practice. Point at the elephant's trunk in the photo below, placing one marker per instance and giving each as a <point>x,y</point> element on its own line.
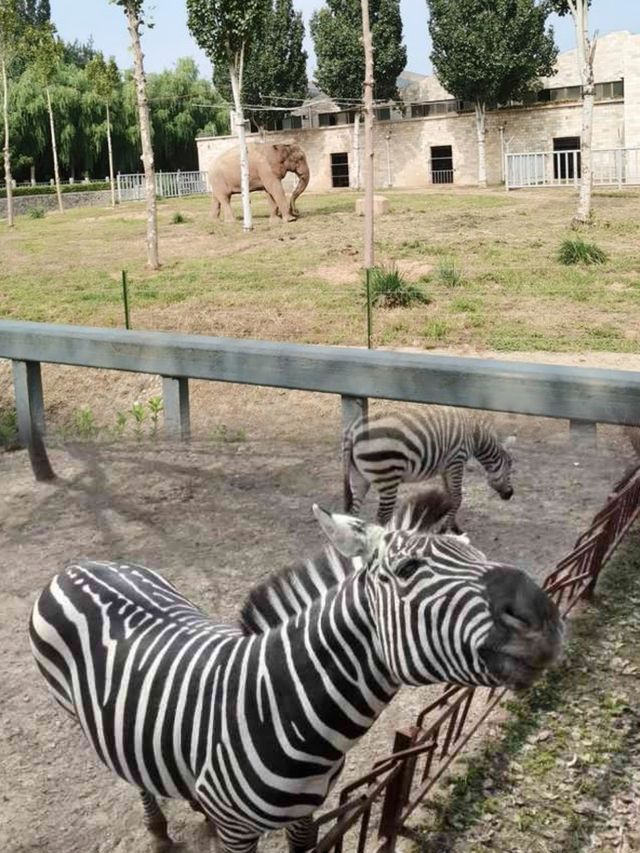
<point>302,171</point>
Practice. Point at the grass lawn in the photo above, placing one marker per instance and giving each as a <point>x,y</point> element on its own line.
<point>302,282</point>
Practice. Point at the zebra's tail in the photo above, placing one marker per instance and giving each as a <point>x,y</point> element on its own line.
<point>347,459</point>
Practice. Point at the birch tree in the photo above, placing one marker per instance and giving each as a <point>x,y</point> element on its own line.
<point>10,26</point>
<point>225,30</point>
<point>105,79</point>
<point>489,53</point>
<point>586,48</point>
<point>133,10</point>
<point>46,52</point>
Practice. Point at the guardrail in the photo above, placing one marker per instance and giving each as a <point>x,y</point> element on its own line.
<point>584,396</point>
<point>168,185</point>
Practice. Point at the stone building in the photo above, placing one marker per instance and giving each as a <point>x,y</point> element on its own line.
<point>433,140</point>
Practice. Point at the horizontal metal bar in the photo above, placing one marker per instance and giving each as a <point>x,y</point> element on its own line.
<point>604,396</point>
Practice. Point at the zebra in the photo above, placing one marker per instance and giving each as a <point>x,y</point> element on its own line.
<point>251,722</point>
<point>387,450</point>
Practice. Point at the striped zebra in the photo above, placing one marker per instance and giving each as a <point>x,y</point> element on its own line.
<point>250,723</point>
<point>387,450</point>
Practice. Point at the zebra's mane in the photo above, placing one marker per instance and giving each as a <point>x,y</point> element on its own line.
<point>293,590</point>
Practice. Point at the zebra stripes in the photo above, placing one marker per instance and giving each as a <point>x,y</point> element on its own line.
<point>251,722</point>
<point>387,450</point>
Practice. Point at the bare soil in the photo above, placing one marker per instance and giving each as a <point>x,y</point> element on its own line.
<point>215,516</point>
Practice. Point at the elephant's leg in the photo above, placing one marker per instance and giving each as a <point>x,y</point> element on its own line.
<point>273,208</point>
<point>273,186</point>
<point>302,835</point>
<point>227,212</point>
<point>215,207</point>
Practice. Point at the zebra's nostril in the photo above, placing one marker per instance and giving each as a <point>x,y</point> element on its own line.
<point>506,496</point>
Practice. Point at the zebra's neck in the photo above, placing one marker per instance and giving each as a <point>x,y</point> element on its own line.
<point>331,673</point>
<point>484,441</point>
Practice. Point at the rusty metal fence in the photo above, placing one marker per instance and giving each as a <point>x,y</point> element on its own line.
<point>421,754</point>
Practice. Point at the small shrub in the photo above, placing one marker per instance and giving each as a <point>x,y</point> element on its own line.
<point>84,424</point>
<point>155,407</point>
<point>178,218</point>
<point>9,430</point>
<point>448,274</point>
<point>36,213</point>
<point>390,289</point>
<point>139,414</point>
<point>578,251</point>
<point>464,305</point>
<point>436,331</point>
<point>227,435</point>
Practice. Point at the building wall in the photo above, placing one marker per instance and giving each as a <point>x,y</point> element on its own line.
<point>403,147</point>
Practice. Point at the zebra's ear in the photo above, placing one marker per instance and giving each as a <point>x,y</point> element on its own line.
<point>509,441</point>
<point>350,536</point>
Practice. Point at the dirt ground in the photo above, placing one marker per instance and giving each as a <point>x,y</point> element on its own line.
<point>214,516</point>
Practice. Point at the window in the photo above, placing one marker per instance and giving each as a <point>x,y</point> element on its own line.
<point>327,119</point>
<point>434,108</point>
<point>383,114</point>
<point>566,158</point>
<point>441,164</point>
<point>610,91</point>
<point>340,170</point>
<point>292,123</point>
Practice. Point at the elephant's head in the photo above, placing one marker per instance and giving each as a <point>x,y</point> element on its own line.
<point>291,158</point>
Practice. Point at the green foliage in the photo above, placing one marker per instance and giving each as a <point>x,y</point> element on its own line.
<point>104,77</point>
<point>139,414</point>
<point>336,29</point>
<point>228,435</point>
<point>36,213</point>
<point>8,429</point>
<point>44,52</point>
<point>84,424</point>
<point>224,29</point>
<point>94,186</point>
<point>436,331</point>
<point>577,251</point>
<point>275,68</point>
<point>490,53</point>
<point>390,289</point>
<point>178,218</point>
<point>34,12</point>
<point>448,273</point>
<point>562,7</point>
<point>156,406</point>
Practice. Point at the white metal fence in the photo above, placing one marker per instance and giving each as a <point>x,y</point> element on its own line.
<point>611,167</point>
<point>168,185</point>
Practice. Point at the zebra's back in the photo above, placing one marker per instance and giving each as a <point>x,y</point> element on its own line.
<point>130,658</point>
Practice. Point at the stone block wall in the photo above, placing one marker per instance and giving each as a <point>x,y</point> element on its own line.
<point>22,204</point>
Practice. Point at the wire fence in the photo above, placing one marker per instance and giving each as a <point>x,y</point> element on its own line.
<point>421,754</point>
<point>131,187</point>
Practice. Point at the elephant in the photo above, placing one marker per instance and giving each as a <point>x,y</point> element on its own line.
<point>268,164</point>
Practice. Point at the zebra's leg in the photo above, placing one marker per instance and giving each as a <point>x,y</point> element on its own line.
<point>302,835</point>
<point>452,478</point>
<point>156,823</point>
<point>388,493</point>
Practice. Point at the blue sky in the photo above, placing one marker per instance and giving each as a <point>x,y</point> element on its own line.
<point>170,39</point>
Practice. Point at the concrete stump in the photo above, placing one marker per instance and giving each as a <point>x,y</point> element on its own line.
<point>380,205</point>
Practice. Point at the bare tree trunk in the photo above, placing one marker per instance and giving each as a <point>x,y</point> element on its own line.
<point>235,73</point>
<point>54,145</point>
<point>7,154</point>
<point>586,51</point>
<point>133,24</point>
<point>356,152</point>
<point>481,132</point>
<point>369,259</point>
<point>109,147</point>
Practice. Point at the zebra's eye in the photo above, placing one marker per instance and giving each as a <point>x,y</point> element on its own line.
<point>407,567</point>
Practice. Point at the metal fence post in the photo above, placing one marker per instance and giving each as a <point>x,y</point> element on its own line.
<point>352,408</point>
<point>119,188</point>
<point>398,790</point>
<point>175,394</point>
<point>27,383</point>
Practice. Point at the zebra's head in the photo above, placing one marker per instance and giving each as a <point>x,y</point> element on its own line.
<point>495,457</point>
<point>444,613</point>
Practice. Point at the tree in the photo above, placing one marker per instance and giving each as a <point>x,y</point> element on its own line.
<point>337,36</point>
<point>10,30</point>
<point>34,13</point>
<point>133,10</point>
<point>45,51</point>
<point>105,78</point>
<point>226,30</point>
<point>275,70</point>
<point>489,52</point>
<point>183,104</point>
<point>586,48</point>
